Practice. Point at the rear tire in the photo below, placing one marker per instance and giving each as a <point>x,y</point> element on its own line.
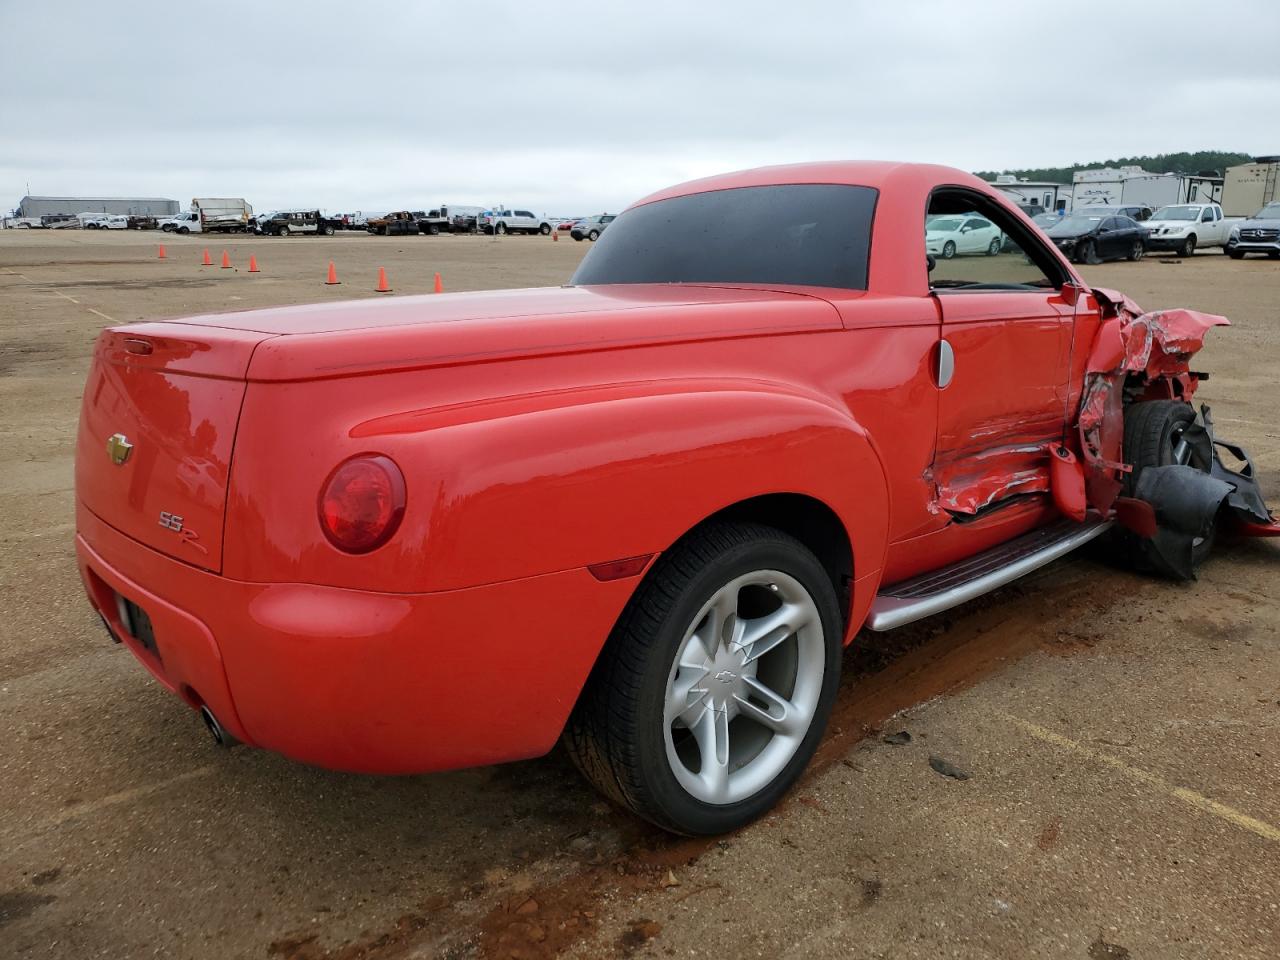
<point>544,229</point>
<point>593,236</point>
<point>993,248</point>
<point>184,230</point>
<point>948,250</point>
<point>1151,433</point>
<point>1136,252</point>
<point>682,659</point>
<point>327,231</point>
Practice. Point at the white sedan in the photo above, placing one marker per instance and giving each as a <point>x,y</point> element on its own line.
<point>946,236</point>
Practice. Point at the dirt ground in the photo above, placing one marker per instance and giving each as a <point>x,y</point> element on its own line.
<point>1120,735</point>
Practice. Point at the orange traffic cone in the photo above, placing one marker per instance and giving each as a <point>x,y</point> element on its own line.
<point>253,264</point>
<point>206,262</point>
<point>555,235</point>
<point>439,285</point>
<point>226,260</point>
<point>162,255</point>
<point>332,279</point>
<point>383,286</point>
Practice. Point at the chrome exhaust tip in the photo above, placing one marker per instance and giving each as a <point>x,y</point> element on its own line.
<point>220,736</point>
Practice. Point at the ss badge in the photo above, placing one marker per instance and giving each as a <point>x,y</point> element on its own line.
<point>170,521</point>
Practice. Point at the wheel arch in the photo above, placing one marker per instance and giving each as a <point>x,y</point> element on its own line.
<point>811,521</point>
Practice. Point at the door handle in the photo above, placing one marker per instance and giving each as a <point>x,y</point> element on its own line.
<point>946,364</point>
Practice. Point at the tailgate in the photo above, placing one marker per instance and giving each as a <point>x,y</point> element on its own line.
<point>157,427</point>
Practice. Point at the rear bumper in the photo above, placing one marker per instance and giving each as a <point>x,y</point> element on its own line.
<point>356,680</point>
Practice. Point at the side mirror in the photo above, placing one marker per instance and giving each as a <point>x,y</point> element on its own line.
<point>1070,293</point>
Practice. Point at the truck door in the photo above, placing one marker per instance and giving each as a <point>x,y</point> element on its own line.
<point>1003,364</point>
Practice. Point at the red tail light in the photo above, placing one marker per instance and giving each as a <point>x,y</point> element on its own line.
<point>362,502</point>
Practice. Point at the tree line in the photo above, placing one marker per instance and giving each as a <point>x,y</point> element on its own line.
<point>1201,161</point>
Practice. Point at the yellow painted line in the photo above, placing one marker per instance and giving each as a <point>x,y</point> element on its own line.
<point>101,314</point>
<point>65,297</point>
<point>1199,801</point>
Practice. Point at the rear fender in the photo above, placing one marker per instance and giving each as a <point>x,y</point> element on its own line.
<point>539,484</point>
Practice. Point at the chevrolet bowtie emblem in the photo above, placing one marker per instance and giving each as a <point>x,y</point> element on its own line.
<point>119,448</point>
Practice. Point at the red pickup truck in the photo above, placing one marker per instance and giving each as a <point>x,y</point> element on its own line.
<point>643,512</point>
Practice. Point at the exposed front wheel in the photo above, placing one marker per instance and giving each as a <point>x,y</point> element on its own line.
<point>327,231</point>
<point>1153,437</point>
<point>1188,247</point>
<point>1086,254</point>
<point>716,684</point>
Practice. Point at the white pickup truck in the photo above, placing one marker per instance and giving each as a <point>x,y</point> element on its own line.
<point>1186,227</point>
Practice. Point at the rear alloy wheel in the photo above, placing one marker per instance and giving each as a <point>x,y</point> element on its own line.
<point>948,250</point>
<point>993,248</point>
<point>710,696</point>
<point>1188,247</point>
<point>1136,251</point>
<point>1153,438</point>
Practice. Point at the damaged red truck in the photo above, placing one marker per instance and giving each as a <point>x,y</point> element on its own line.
<point>643,512</point>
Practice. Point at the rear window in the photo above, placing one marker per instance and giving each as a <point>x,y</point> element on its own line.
<point>815,235</point>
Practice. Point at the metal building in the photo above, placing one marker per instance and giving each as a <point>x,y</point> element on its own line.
<point>129,206</point>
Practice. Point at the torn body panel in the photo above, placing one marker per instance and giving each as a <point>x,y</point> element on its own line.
<point>1148,351</point>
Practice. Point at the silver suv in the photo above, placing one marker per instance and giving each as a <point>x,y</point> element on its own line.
<point>590,228</point>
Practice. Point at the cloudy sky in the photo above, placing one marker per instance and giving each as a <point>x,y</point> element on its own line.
<point>575,107</point>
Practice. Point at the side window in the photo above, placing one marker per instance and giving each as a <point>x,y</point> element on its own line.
<point>1013,259</point>
<point>1207,217</point>
<point>524,213</point>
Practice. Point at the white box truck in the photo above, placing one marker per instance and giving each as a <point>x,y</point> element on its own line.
<point>211,215</point>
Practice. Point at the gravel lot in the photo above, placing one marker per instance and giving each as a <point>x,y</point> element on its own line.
<point>1120,735</point>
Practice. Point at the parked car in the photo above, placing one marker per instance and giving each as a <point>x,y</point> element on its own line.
<point>114,222</point>
<point>91,220</point>
<point>395,224</point>
<point>633,512</point>
<point>565,225</point>
<point>142,223</point>
<point>512,221</point>
<point>1094,238</point>
<point>948,236</point>
<point>1136,211</point>
<point>1042,220</point>
<point>284,223</point>
<point>1258,234</point>
<point>590,228</point>
<point>1186,227</point>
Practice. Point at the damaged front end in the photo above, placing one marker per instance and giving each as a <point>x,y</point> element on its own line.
<point>1172,507</point>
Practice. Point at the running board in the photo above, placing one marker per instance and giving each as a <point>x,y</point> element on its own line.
<point>909,600</point>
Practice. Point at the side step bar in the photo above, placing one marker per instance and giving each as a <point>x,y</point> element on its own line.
<point>909,600</point>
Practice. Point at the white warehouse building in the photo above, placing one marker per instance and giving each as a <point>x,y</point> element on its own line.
<point>73,206</point>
